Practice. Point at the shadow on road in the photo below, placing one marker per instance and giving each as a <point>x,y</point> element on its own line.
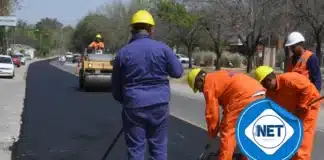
<point>62,123</point>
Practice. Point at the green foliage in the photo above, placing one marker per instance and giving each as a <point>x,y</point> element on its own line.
<point>87,29</point>
<point>49,34</point>
<point>176,14</point>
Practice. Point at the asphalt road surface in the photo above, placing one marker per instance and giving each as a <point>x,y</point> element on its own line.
<point>62,123</point>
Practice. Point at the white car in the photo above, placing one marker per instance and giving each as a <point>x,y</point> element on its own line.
<point>27,57</point>
<point>7,67</point>
<point>183,58</point>
<point>69,56</point>
<point>22,59</point>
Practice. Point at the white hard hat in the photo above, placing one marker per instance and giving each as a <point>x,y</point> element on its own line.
<point>294,38</point>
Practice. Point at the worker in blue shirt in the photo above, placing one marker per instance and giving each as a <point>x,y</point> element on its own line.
<point>303,61</point>
<point>140,83</point>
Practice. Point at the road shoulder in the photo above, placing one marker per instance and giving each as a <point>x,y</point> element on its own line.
<point>11,106</point>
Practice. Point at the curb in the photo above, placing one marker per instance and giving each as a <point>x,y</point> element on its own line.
<point>33,61</point>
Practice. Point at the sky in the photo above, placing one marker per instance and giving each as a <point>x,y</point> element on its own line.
<point>68,12</point>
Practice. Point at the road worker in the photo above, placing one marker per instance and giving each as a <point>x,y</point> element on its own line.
<point>303,61</point>
<point>225,88</point>
<point>140,83</point>
<point>296,93</point>
<point>97,44</point>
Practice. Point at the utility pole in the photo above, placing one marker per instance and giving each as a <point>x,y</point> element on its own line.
<point>40,43</point>
<point>7,39</point>
<point>14,36</point>
<point>62,47</point>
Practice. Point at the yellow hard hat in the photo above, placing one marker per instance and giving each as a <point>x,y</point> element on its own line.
<point>262,72</point>
<point>98,36</point>
<point>143,16</point>
<point>191,77</point>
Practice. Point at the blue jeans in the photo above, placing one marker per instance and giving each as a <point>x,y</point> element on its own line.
<point>147,123</point>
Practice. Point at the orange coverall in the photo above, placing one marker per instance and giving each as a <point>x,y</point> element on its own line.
<point>233,91</point>
<point>97,45</point>
<point>295,90</point>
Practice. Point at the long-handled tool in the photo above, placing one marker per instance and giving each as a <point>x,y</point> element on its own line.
<point>202,155</point>
<point>112,145</point>
<point>316,100</point>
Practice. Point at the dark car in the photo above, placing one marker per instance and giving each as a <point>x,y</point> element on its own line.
<point>76,58</point>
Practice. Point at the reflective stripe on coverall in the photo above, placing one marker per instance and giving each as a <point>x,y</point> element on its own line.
<point>140,83</point>
<point>296,91</point>
<point>233,91</point>
<point>307,64</point>
<point>97,45</point>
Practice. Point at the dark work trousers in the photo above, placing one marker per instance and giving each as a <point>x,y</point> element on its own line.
<point>148,123</point>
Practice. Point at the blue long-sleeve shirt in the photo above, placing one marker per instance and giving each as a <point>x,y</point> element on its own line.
<point>313,67</point>
<point>141,70</point>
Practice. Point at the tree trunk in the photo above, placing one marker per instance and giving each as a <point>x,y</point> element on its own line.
<point>318,48</point>
<point>262,56</point>
<point>218,64</point>
<point>217,47</point>
<point>189,48</point>
<point>177,48</point>
<point>249,64</point>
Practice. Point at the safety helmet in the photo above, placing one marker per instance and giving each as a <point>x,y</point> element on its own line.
<point>98,36</point>
<point>294,38</point>
<point>191,77</point>
<point>262,72</point>
<point>143,16</point>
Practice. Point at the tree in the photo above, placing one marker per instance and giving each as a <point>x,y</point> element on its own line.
<point>251,20</point>
<point>312,13</point>
<point>87,29</point>
<point>118,14</point>
<point>66,42</point>
<point>47,31</point>
<point>216,22</point>
<point>6,7</point>
<point>49,24</point>
<point>184,24</point>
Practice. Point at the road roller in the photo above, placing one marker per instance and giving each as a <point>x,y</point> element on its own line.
<point>96,71</point>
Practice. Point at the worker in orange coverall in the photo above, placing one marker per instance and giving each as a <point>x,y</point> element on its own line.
<point>233,92</point>
<point>97,44</point>
<point>295,92</point>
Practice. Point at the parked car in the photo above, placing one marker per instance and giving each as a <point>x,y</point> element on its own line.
<point>69,56</point>
<point>16,60</point>
<point>183,58</point>
<point>7,67</point>
<point>76,58</point>
<point>22,59</point>
<point>28,57</point>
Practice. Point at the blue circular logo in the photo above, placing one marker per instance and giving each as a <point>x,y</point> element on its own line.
<point>267,131</point>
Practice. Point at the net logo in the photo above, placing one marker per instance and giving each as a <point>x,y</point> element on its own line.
<point>269,131</point>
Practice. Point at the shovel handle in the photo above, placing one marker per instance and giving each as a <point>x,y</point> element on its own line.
<point>316,100</point>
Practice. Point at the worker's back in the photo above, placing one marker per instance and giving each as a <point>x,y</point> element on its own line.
<point>235,87</point>
<point>290,86</point>
<point>145,67</point>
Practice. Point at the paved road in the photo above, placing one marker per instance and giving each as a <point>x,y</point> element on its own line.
<point>62,123</point>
